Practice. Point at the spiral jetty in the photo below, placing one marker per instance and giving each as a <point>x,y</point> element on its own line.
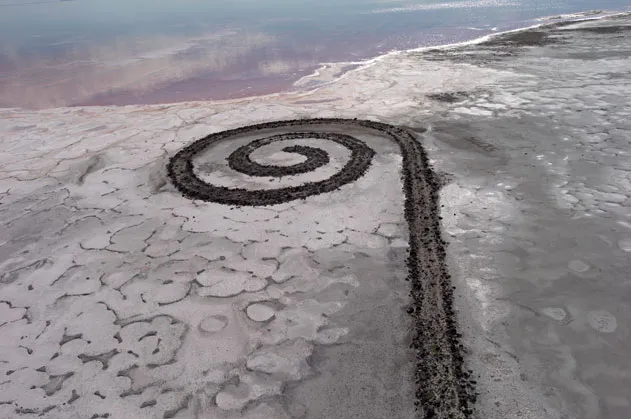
<point>444,388</point>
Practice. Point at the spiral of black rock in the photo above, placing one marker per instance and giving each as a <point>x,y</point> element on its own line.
<point>182,174</point>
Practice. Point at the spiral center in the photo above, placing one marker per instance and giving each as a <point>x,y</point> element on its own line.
<point>278,158</point>
<point>241,159</point>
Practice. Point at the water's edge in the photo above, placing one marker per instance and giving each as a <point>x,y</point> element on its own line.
<point>328,73</point>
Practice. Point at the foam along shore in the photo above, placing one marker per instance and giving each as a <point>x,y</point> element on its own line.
<point>120,296</point>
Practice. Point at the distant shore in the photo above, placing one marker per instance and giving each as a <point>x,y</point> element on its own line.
<point>183,71</point>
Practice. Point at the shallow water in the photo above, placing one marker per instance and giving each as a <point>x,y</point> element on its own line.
<point>56,53</point>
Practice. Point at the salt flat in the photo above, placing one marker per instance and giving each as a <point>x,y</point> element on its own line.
<point>121,297</point>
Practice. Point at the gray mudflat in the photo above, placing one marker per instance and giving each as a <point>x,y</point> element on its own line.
<point>539,217</point>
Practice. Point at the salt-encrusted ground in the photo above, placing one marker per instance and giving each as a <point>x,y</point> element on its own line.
<point>121,297</point>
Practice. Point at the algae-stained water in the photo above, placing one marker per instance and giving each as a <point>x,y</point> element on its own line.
<point>55,53</point>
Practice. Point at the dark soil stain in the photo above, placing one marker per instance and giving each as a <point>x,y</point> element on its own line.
<point>601,30</point>
<point>531,38</point>
<point>449,97</point>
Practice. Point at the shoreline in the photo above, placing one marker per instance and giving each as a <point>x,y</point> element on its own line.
<point>327,73</point>
<point>572,17</point>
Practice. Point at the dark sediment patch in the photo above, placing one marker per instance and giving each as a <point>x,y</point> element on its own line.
<point>502,45</point>
<point>582,15</point>
<point>529,38</point>
<point>449,97</point>
<point>444,386</point>
<point>510,44</point>
<point>601,30</point>
<point>496,48</point>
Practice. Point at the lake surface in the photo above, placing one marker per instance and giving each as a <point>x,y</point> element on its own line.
<point>101,52</point>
